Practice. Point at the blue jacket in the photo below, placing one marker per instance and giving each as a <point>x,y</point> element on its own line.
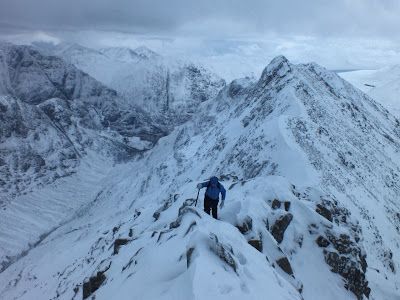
<point>214,188</point>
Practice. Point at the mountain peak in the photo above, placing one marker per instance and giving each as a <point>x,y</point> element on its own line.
<point>145,52</point>
<point>279,66</point>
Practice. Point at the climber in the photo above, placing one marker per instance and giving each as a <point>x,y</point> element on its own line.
<point>211,196</point>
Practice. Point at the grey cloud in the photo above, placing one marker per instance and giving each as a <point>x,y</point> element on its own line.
<point>208,17</point>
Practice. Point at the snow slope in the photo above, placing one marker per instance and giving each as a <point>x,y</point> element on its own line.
<point>383,85</point>
<point>311,168</point>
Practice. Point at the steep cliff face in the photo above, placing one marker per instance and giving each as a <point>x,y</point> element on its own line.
<point>311,168</point>
<point>50,109</point>
<point>168,89</point>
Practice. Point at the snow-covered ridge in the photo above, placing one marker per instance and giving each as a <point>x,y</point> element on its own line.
<point>310,165</point>
<point>130,55</point>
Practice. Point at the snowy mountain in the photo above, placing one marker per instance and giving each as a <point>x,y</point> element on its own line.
<point>311,168</point>
<point>383,85</point>
<point>56,122</point>
<point>169,89</point>
<point>128,55</point>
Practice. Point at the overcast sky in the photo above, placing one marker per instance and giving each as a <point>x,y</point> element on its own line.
<point>337,33</point>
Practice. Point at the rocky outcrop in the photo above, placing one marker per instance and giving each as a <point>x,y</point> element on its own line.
<point>322,242</point>
<point>93,284</point>
<point>284,264</point>
<point>118,243</point>
<point>351,272</point>
<point>342,252</point>
<point>256,244</point>
<point>276,204</point>
<point>323,211</point>
<point>279,227</point>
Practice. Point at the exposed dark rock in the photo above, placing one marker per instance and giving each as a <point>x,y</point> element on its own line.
<point>156,215</point>
<point>329,209</point>
<point>348,258</point>
<point>162,233</point>
<point>280,226</point>
<point>388,257</point>
<point>322,242</point>
<point>300,289</point>
<point>284,264</point>
<point>76,290</point>
<point>93,284</point>
<point>118,243</point>
<point>343,244</point>
<point>256,244</point>
<point>276,204</point>
<point>246,226</point>
<point>349,270</point>
<point>130,232</point>
<point>189,253</point>
<point>323,211</point>
<point>190,227</point>
<point>137,214</point>
<point>115,229</point>
<point>287,205</point>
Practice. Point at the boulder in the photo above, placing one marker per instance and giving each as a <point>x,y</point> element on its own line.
<point>256,244</point>
<point>118,243</point>
<point>284,264</point>
<point>280,226</point>
<point>325,212</point>
<point>276,204</point>
<point>93,284</point>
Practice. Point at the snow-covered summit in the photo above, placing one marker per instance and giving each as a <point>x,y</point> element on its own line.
<point>146,52</point>
<point>121,54</point>
<point>279,66</point>
<point>129,55</point>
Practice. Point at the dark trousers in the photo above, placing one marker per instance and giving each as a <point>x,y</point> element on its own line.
<point>210,204</point>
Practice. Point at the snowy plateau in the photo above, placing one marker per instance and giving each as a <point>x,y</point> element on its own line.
<point>101,152</point>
